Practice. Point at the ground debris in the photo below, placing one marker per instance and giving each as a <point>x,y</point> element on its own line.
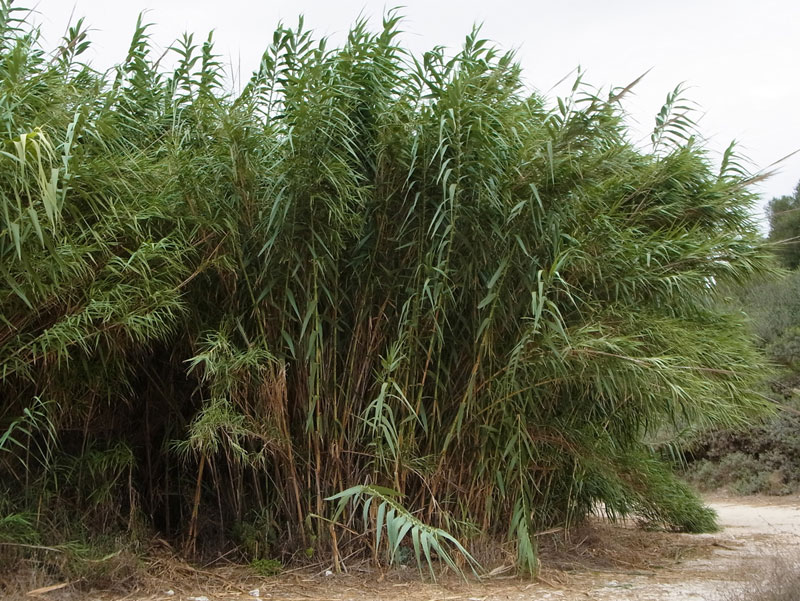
<point>599,561</point>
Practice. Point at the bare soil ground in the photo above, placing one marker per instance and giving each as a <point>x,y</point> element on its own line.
<point>603,562</point>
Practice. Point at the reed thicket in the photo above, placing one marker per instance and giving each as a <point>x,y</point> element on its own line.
<point>404,274</point>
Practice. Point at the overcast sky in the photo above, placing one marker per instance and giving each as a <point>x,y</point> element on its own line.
<point>740,58</point>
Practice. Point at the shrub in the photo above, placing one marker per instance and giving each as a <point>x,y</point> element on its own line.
<point>761,459</point>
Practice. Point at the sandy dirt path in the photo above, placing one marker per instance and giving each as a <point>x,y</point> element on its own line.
<point>757,535</point>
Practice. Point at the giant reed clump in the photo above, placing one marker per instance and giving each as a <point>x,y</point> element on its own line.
<point>401,276</point>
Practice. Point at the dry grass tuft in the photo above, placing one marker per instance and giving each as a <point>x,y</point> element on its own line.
<point>779,580</point>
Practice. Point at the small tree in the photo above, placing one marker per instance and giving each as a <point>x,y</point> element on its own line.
<point>784,227</point>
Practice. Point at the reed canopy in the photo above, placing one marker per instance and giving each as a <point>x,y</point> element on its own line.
<point>372,300</point>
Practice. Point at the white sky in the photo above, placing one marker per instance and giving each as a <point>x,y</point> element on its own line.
<point>739,57</point>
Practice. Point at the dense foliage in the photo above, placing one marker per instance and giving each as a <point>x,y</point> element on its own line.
<point>405,278</point>
<point>764,457</point>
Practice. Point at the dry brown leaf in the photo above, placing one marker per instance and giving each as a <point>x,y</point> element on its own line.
<point>47,589</point>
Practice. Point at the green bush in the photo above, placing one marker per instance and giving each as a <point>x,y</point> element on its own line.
<point>266,567</point>
<point>763,459</point>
